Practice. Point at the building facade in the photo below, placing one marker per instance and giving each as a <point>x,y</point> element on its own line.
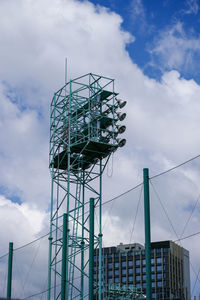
<point>126,265</point>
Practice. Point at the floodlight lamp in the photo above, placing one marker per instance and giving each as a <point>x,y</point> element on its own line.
<point>121,103</point>
<point>121,142</point>
<point>121,129</point>
<point>121,116</point>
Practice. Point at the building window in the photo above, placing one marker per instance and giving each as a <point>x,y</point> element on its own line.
<point>116,272</point>
<point>95,268</point>
<point>144,261</point>
<point>152,261</point>
<point>144,285</point>
<point>130,278</point>
<point>117,280</point>
<point>137,270</point>
<point>144,277</point>
<point>144,269</point>
<point>159,276</point>
<point>152,269</point>
<point>138,278</point>
<point>116,265</point>
<point>159,260</point>
<point>158,250</point>
<point>159,284</point>
<point>109,265</point>
<point>153,284</point>
<point>153,276</point>
<point>116,255</point>
<point>137,262</point>
<point>130,263</point>
<point>159,268</point>
<point>123,271</point>
<point>110,280</point>
<point>123,264</point>
<point>123,254</point>
<point>138,285</point>
<point>95,276</point>
<point>95,258</point>
<point>130,271</point>
<point>110,273</point>
<point>123,279</point>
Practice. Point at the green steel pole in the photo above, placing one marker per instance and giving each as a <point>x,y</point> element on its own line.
<point>91,250</point>
<point>147,233</point>
<point>68,189</point>
<point>82,242</point>
<point>64,258</point>
<point>10,262</point>
<point>100,233</point>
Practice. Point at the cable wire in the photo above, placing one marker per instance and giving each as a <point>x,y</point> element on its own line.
<point>187,237</point>
<point>175,167</point>
<point>137,209</point>
<point>188,220</point>
<point>43,236</point>
<point>158,197</point>
<point>115,198</point>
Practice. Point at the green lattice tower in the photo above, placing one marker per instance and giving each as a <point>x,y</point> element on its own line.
<point>84,125</point>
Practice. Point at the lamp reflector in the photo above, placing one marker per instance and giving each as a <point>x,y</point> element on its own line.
<point>121,129</point>
<point>121,103</point>
<point>121,116</point>
<point>121,142</point>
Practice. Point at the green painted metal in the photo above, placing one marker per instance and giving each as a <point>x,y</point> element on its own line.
<point>82,138</point>
<point>91,250</point>
<point>116,291</point>
<point>100,233</point>
<point>64,257</point>
<point>147,232</point>
<point>10,263</point>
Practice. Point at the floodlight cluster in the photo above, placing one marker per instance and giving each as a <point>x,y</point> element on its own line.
<point>114,128</point>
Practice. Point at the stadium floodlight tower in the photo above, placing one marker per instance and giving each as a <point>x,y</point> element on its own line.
<point>84,127</point>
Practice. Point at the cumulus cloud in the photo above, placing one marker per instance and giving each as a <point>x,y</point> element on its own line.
<point>175,49</point>
<point>162,122</point>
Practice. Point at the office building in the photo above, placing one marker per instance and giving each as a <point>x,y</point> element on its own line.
<point>126,265</point>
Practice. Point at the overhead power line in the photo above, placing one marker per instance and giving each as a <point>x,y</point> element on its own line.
<point>115,198</point>
<point>188,236</point>
<point>175,167</point>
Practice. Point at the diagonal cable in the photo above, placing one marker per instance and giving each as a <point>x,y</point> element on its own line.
<point>189,218</point>
<point>137,209</point>
<point>165,211</point>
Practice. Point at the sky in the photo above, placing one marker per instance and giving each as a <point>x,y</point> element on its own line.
<point>151,49</point>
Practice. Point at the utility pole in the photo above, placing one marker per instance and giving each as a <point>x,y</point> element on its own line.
<point>10,261</point>
<point>147,232</point>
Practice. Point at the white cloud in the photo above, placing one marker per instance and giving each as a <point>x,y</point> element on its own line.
<point>137,9</point>
<point>162,117</point>
<point>175,49</point>
<point>192,7</point>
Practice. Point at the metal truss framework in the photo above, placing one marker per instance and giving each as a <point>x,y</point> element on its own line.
<point>125,292</point>
<point>83,135</point>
